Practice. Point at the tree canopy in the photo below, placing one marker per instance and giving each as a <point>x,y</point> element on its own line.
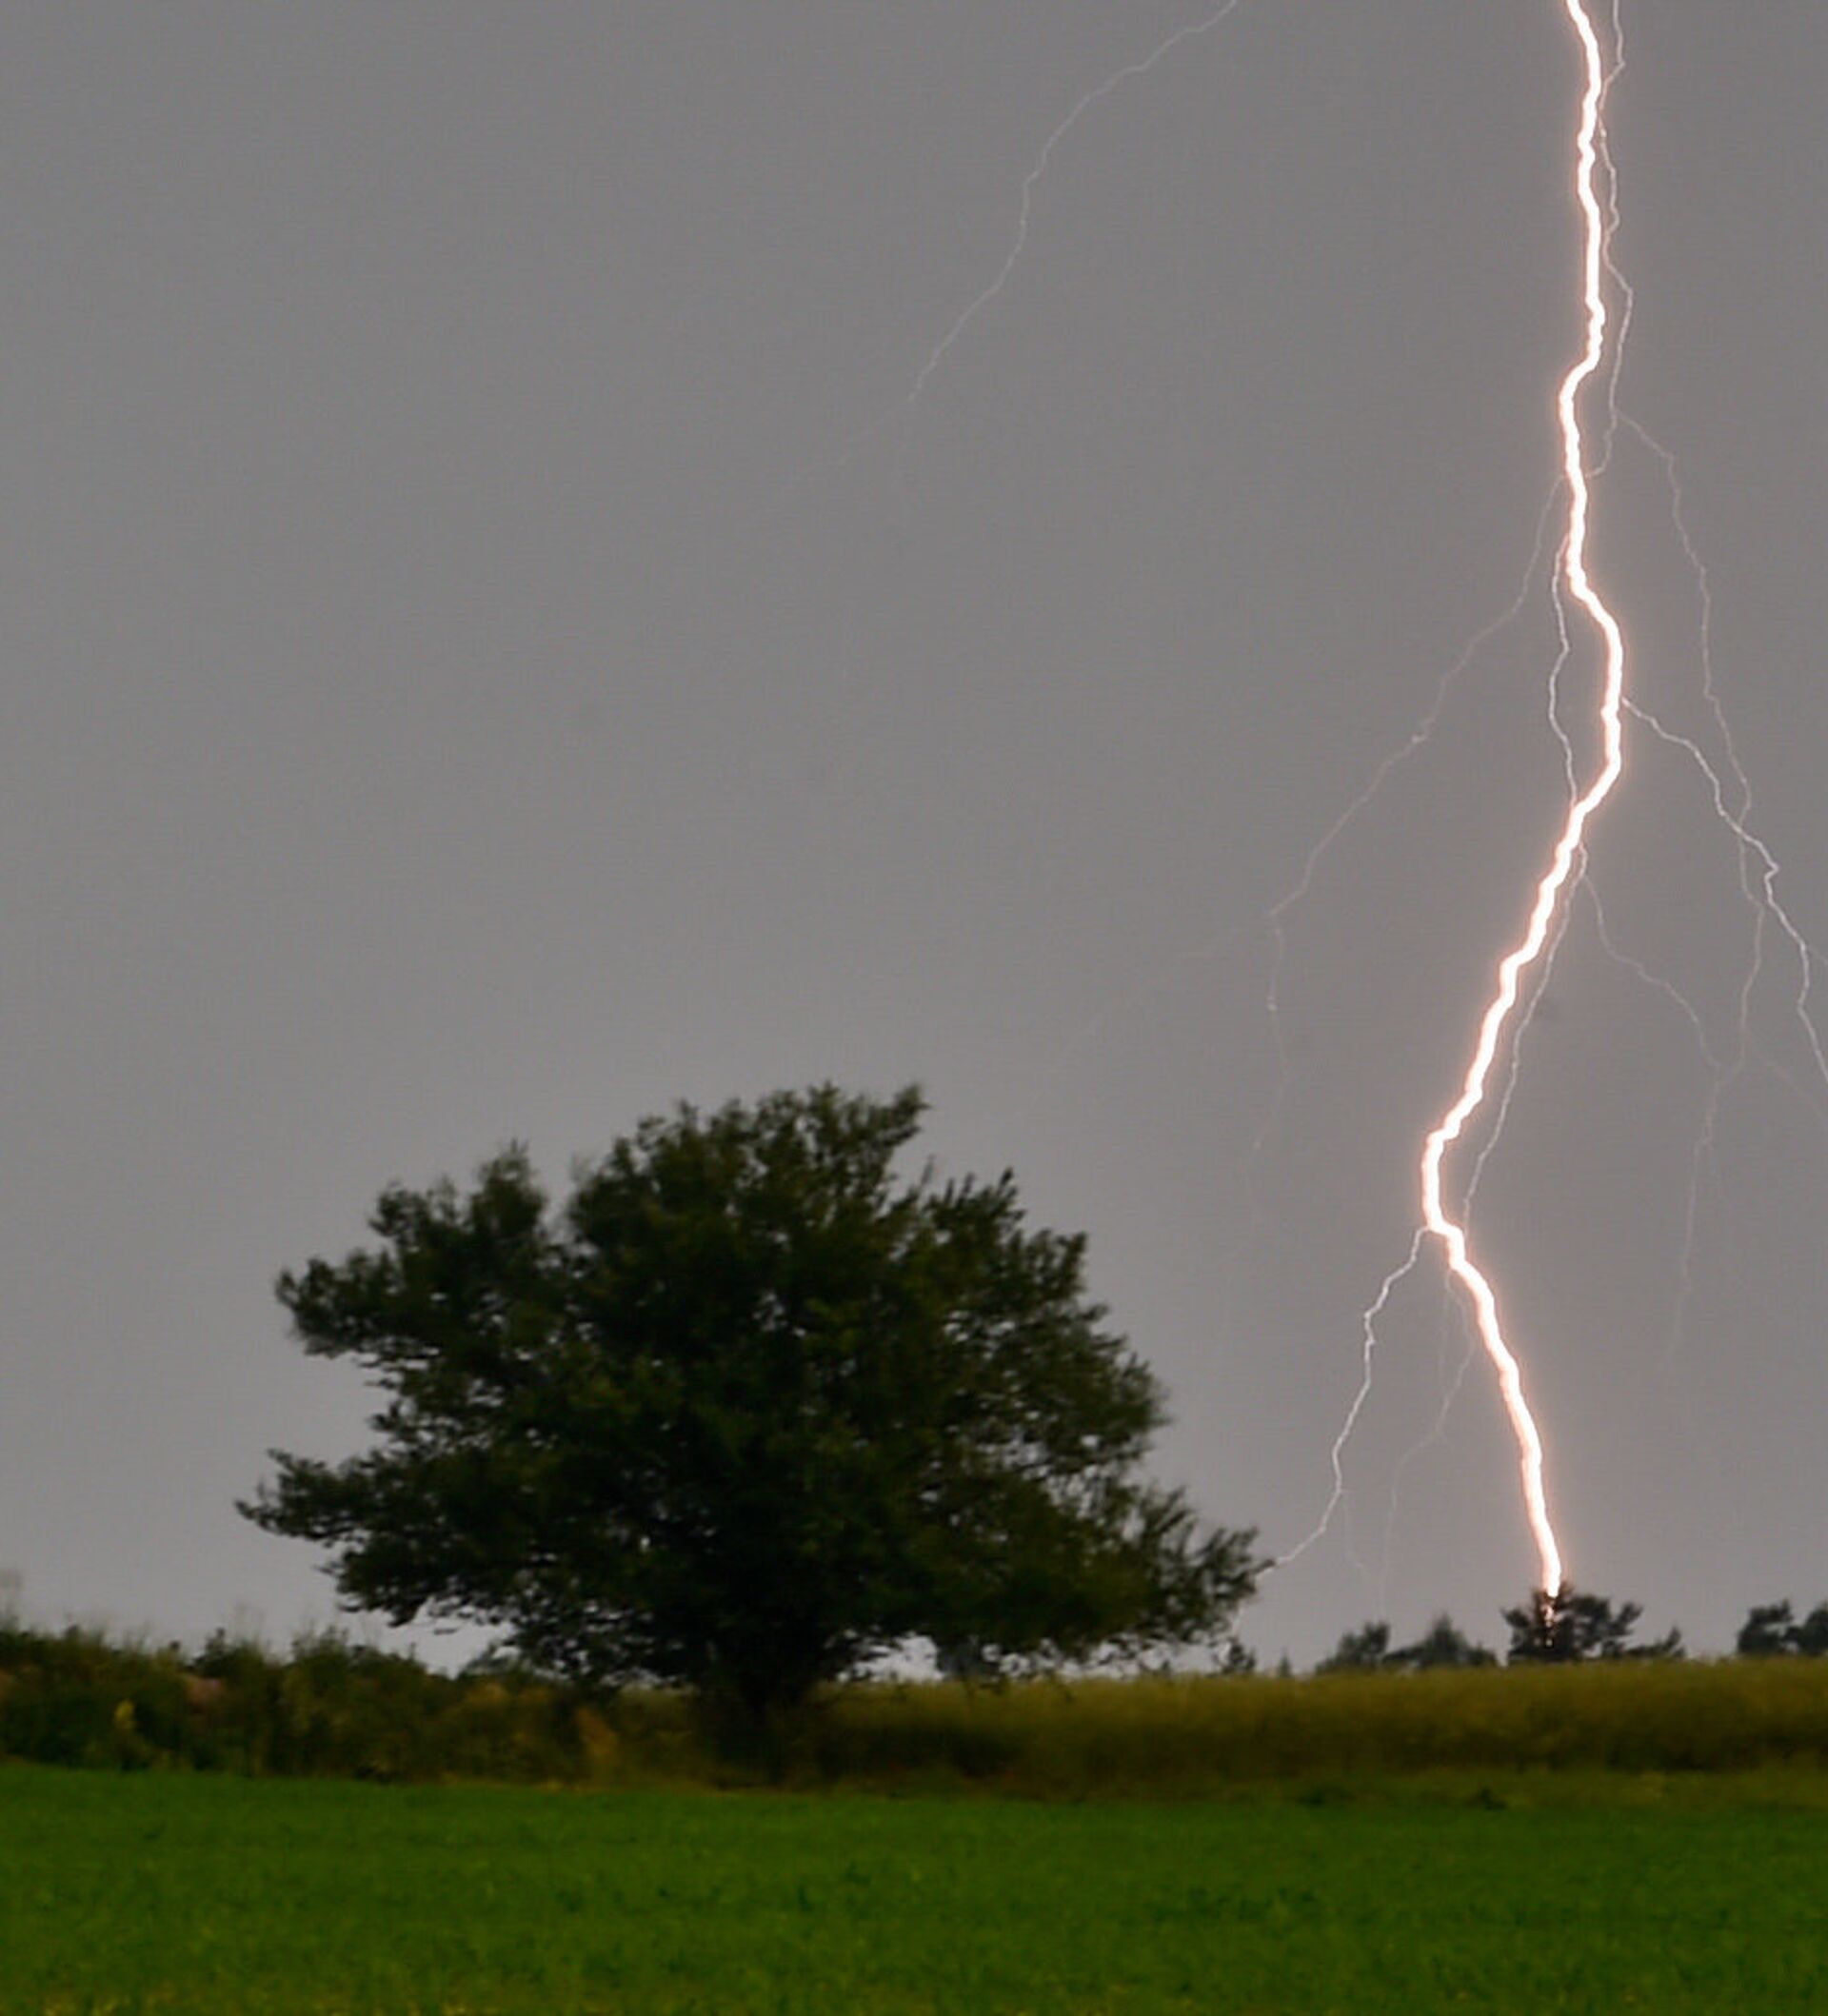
<point>1575,1624</point>
<point>1368,1650</point>
<point>747,1411</point>
<point>1771,1630</point>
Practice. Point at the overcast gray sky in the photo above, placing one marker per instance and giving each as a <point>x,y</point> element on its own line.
<point>490,649</point>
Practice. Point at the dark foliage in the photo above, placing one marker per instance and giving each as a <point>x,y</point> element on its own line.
<point>1771,1630</point>
<point>1443,1645</point>
<point>331,1710</point>
<point>1364,1650</point>
<point>746,1413</point>
<point>1573,1625</point>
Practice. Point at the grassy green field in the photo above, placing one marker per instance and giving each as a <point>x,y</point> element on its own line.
<point>174,1891</point>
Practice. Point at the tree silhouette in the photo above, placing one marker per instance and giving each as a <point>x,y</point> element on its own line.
<point>1368,1650</point>
<point>1771,1630</point>
<point>1574,1625</point>
<point>1442,1645</point>
<point>746,1413</point>
<point>1364,1650</point>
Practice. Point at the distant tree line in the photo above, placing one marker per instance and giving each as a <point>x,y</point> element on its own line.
<point>1368,1650</point>
<point>1771,1631</point>
<point>1560,1630</point>
<point>1572,1625</point>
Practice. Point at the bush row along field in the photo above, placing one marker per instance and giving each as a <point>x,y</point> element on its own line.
<point>175,1892</point>
<point>331,1709</point>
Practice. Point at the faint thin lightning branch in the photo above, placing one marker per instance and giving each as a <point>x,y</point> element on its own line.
<point>1277,918</point>
<point>1658,982</point>
<point>833,462</point>
<point>1721,1073</point>
<point>1368,1324</point>
<point>1759,890</point>
<point>1735,816</point>
<point>983,299</point>
<point>1760,887</point>
<point>1627,299</point>
<point>1757,886</point>
<point>1765,897</point>
<point>1766,908</point>
<point>840,457</point>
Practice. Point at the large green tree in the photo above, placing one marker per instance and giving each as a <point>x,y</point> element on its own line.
<point>750,1410</point>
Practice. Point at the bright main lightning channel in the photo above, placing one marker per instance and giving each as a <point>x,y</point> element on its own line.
<point>1511,968</point>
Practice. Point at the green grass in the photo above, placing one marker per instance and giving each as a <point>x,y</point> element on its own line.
<point>205,1894</point>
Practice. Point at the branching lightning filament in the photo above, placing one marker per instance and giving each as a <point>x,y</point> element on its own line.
<point>1440,1221</point>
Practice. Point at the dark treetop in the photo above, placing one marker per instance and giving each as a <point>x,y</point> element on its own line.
<point>747,1411</point>
<point>1575,1624</point>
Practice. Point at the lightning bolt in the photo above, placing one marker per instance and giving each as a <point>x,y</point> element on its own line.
<point>1437,1219</point>
<point>1522,974</point>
